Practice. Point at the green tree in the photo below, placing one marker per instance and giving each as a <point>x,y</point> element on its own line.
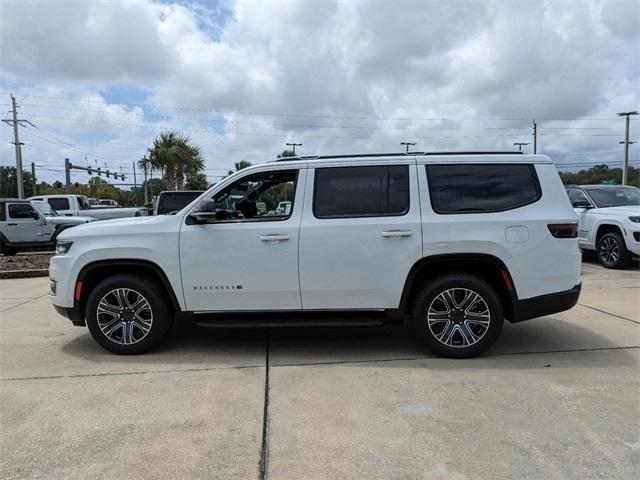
<point>9,183</point>
<point>598,173</point>
<point>196,181</point>
<point>239,166</point>
<point>287,153</point>
<point>174,154</point>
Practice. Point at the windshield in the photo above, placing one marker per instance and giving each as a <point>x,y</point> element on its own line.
<point>45,209</point>
<point>615,197</point>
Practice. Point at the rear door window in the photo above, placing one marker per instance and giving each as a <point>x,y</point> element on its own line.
<point>370,191</point>
<point>59,203</point>
<point>481,188</point>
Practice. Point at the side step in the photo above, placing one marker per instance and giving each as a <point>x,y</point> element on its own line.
<point>287,319</point>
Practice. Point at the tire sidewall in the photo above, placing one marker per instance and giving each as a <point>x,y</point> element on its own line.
<point>432,289</point>
<point>622,257</point>
<point>160,309</point>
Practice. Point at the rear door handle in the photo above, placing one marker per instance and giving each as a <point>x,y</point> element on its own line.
<point>12,224</point>
<point>397,233</point>
<point>274,237</point>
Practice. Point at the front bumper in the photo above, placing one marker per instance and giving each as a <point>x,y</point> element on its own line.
<point>545,304</point>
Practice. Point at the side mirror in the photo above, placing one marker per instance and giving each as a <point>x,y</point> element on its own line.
<point>581,204</point>
<point>35,215</point>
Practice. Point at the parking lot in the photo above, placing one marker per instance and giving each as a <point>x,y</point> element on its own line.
<point>556,397</point>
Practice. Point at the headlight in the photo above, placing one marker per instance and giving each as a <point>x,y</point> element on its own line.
<point>63,247</point>
<point>635,219</point>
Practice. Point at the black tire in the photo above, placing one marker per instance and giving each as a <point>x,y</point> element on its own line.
<point>612,251</point>
<point>9,251</point>
<point>465,322</point>
<point>158,307</point>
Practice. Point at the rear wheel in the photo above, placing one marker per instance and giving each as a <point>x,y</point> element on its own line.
<point>458,315</point>
<point>612,251</point>
<point>128,314</point>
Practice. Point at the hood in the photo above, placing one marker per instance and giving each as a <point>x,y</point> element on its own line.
<point>124,226</point>
<point>625,210</point>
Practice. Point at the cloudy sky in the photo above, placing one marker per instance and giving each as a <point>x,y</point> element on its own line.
<point>100,78</point>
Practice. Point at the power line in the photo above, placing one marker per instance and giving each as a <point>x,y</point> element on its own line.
<point>279,114</point>
<point>292,125</point>
<point>286,135</point>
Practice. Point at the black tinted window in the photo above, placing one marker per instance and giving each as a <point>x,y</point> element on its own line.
<point>171,202</point>
<point>59,203</point>
<point>21,210</point>
<point>477,188</point>
<point>361,191</point>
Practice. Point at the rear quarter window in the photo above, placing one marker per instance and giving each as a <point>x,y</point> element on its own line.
<point>481,188</point>
<point>59,203</point>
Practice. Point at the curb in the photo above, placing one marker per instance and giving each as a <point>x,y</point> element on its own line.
<point>5,274</point>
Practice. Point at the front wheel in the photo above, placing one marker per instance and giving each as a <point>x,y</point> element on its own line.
<point>612,251</point>
<point>128,314</point>
<point>458,315</point>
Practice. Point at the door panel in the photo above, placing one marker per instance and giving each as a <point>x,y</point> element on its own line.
<point>243,265</point>
<point>21,226</point>
<point>357,263</point>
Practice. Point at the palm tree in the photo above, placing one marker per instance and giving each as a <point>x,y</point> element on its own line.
<point>239,166</point>
<point>173,153</point>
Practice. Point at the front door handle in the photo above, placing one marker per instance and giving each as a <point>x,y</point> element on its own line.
<point>397,233</point>
<point>274,237</point>
<point>12,224</point>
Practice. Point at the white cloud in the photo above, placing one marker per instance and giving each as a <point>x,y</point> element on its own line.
<point>357,67</point>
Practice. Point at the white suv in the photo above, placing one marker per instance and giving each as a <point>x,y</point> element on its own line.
<point>609,221</point>
<point>451,243</point>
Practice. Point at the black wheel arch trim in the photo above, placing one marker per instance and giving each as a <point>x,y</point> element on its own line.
<point>78,307</point>
<point>424,262</point>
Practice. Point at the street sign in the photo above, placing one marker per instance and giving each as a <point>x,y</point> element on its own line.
<point>608,181</point>
<point>135,189</point>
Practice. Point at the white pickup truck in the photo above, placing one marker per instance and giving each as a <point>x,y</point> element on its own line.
<point>78,206</point>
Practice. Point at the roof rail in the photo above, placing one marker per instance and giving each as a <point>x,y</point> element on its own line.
<point>395,154</point>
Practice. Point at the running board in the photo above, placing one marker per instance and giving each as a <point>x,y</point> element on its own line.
<point>288,319</point>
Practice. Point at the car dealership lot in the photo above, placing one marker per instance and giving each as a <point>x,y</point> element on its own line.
<point>554,398</point>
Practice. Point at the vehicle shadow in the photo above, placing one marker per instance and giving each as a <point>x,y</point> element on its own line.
<point>390,346</point>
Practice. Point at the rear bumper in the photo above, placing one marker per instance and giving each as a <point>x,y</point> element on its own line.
<point>545,304</point>
<point>72,314</point>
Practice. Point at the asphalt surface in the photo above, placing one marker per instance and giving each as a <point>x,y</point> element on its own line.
<point>557,397</point>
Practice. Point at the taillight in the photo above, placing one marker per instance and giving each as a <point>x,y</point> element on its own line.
<point>563,230</point>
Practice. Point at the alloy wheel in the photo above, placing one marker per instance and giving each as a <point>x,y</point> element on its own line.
<point>609,251</point>
<point>458,317</point>
<point>124,316</point>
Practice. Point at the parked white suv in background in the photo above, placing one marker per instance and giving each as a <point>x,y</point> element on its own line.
<point>609,217</point>
<point>451,243</point>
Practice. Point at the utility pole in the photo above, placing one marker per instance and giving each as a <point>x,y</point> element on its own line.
<point>33,177</point>
<point>535,137</point>
<point>14,122</point>
<point>294,145</point>
<point>520,145</point>
<point>67,176</point>
<point>135,180</point>
<point>407,145</point>
<point>146,184</point>
<point>626,144</point>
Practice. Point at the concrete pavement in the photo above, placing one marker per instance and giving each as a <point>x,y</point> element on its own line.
<point>557,397</point>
